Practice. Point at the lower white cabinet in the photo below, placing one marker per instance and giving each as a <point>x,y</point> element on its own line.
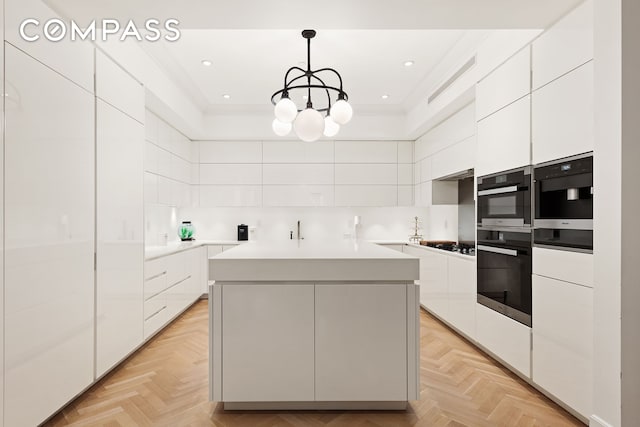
<point>268,344</point>
<point>434,286</point>
<point>563,341</point>
<point>462,295</point>
<point>360,329</point>
<point>504,337</point>
<point>172,283</point>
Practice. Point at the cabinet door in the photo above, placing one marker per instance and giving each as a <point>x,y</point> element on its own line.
<point>119,229</point>
<point>49,240</point>
<point>504,139</point>
<point>361,343</point>
<point>455,158</point>
<point>434,282</point>
<point>509,82</point>
<point>462,295</point>
<point>563,341</point>
<point>562,116</point>
<point>267,343</point>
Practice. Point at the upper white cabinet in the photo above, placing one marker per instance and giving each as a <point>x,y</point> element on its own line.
<point>508,83</point>
<point>74,60</point>
<point>565,46</point>
<point>563,116</point>
<point>504,139</point>
<point>118,88</point>
<point>119,231</point>
<point>455,158</point>
<point>366,152</point>
<point>230,152</point>
<point>49,239</point>
<point>295,152</point>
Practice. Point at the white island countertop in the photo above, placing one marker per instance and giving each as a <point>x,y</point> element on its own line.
<point>306,260</point>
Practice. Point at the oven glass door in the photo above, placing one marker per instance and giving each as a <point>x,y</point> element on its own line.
<point>505,201</point>
<point>504,273</point>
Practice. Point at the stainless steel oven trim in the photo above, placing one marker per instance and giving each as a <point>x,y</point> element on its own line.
<point>501,251</point>
<point>501,190</point>
<point>563,248</point>
<point>504,222</point>
<point>563,224</point>
<point>564,159</point>
<point>514,314</point>
<point>526,229</point>
<point>527,171</point>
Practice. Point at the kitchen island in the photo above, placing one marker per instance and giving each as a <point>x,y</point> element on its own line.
<point>309,325</point>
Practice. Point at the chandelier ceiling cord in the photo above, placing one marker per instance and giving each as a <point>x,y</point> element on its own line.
<point>308,123</point>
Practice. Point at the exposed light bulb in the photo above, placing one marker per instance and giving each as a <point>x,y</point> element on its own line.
<point>331,128</point>
<point>280,128</point>
<point>285,110</point>
<point>341,112</point>
<point>309,125</point>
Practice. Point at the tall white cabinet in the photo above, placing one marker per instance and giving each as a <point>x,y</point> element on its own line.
<point>2,218</point>
<point>119,214</point>
<point>49,239</point>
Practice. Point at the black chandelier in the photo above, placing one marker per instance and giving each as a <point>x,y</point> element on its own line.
<point>309,123</point>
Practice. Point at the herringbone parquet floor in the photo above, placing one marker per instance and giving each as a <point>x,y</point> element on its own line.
<point>165,384</point>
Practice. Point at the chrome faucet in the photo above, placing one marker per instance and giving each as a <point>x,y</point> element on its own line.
<point>299,236</point>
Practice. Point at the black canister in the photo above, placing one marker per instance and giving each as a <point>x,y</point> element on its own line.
<point>243,232</point>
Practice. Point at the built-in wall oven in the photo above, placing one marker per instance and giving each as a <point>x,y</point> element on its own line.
<point>504,199</point>
<point>504,271</point>
<point>564,203</point>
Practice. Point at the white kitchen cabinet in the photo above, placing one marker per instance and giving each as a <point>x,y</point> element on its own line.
<point>360,329</point>
<point>294,152</point>
<point>366,174</point>
<point>2,88</point>
<point>405,152</point>
<point>231,174</point>
<point>49,239</point>
<point>462,294</point>
<point>230,152</point>
<point>119,233</point>
<point>568,266</point>
<point>458,157</point>
<point>230,195</point>
<point>505,338</point>
<point>366,152</point>
<point>504,139</point>
<point>151,127</point>
<point>438,193</point>
<point>405,195</point>
<point>565,46</point>
<point>563,341</point>
<point>298,174</point>
<point>562,116</point>
<point>506,84</point>
<point>268,343</point>
<point>434,286</point>
<point>366,195</point>
<point>73,60</point>
<point>118,88</point>
<point>297,195</point>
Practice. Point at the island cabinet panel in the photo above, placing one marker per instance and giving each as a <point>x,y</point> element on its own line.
<point>361,342</point>
<point>267,343</point>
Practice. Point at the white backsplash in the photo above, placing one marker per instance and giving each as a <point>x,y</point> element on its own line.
<point>383,223</point>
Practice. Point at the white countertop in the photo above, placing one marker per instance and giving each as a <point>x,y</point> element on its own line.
<point>468,257</point>
<point>152,252</point>
<point>293,260</point>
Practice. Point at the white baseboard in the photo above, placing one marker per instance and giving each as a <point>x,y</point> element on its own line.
<point>596,421</point>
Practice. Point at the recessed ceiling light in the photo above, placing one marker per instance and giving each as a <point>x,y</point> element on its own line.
<point>384,96</point>
<point>226,96</point>
<point>206,63</point>
<point>408,63</point>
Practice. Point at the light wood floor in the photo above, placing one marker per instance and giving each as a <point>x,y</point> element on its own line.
<point>165,384</point>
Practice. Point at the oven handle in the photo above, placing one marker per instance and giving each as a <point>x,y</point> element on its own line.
<point>501,251</point>
<point>501,190</point>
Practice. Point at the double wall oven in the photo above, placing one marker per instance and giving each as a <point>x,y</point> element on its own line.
<point>503,250</point>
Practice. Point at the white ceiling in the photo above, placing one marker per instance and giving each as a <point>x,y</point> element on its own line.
<point>249,65</point>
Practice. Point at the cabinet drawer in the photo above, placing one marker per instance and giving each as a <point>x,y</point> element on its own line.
<point>154,268</point>
<point>177,267</point>
<point>574,267</point>
<point>155,322</point>
<point>155,285</point>
<point>153,306</point>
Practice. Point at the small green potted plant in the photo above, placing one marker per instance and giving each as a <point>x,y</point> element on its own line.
<point>186,231</point>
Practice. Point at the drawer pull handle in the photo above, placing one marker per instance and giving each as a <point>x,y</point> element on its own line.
<point>155,276</point>
<point>156,312</point>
